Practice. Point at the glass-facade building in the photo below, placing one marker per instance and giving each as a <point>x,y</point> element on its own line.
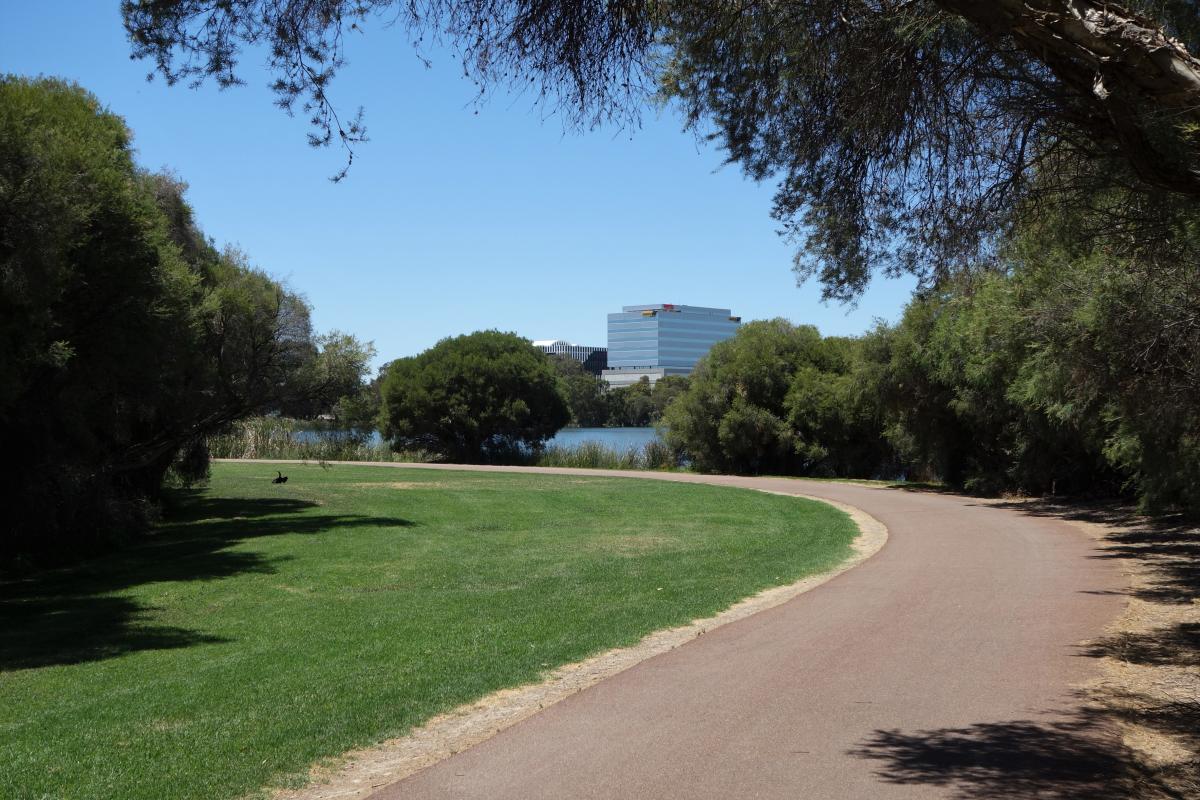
<point>663,339</point>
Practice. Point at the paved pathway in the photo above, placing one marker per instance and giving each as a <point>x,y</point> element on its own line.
<point>942,667</point>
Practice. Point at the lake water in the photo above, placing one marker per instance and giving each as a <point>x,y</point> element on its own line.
<point>612,438</point>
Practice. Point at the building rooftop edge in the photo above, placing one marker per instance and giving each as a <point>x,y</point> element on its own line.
<point>552,342</point>
<point>676,306</point>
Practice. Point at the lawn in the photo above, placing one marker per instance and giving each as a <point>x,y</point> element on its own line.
<point>265,627</point>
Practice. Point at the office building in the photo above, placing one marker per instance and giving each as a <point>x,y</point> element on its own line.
<point>665,339</point>
<point>594,359</point>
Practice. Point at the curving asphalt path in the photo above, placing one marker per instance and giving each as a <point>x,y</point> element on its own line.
<point>941,667</point>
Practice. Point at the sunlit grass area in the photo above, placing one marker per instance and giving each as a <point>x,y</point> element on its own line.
<point>266,626</point>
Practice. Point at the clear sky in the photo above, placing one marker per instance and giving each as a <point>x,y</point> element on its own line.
<point>450,220</point>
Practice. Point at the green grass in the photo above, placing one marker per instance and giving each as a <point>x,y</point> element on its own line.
<point>267,627</point>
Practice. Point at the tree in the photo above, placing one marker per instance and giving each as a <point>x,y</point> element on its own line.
<point>906,137</point>
<point>1115,348</point>
<point>906,134</point>
<point>359,410</point>
<point>127,337</point>
<point>961,356</point>
<point>1074,369</point>
<point>665,390</point>
<point>836,418</point>
<point>1135,82</point>
<point>731,418</point>
<point>584,392</point>
<point>631,406</point>
<point>778,397</point>
<point>473,398</point>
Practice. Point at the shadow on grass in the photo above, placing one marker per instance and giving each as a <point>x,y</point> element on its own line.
<point>75,615</point>
<point>1061,760</point>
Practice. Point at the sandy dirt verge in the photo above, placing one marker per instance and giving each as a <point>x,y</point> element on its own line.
<point>360,772</point>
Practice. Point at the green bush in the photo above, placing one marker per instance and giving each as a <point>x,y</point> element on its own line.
<point>485,396</point>
<point>127,337</point>
<point>1076,371</point>
<point>779,398</point>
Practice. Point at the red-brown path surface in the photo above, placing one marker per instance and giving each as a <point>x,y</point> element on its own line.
<point>941,667</point>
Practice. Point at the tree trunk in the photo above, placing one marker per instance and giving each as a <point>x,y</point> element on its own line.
<point>1140,82</point>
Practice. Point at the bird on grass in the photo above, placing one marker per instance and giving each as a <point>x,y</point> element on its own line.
<point>281,479</point>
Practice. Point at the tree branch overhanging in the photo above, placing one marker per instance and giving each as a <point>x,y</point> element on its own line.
<point>1143,84</point>
<point>906,135</point>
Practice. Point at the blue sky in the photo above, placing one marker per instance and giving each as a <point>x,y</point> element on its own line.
<point>450,220</point>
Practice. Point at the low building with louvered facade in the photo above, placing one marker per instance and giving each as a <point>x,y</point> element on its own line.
<point>594,359</point>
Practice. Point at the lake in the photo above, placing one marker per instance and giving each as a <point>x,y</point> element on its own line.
<point>612,438</point>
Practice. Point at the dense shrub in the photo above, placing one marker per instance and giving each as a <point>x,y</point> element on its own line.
<point>1077,369</point>
<point>485,396</point>
<point>778,398</point>
<point>1068,366</point>
<point>126,336</point>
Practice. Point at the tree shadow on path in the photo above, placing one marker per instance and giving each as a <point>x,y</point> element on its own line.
<point>79,614</point>
<point>1169,546</point>
<point>1083,756</point>
<point>1061,760</point>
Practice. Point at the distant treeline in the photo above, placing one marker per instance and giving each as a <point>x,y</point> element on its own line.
<point>594,405</point>
<point>590,402</point>
<point>1059,370</point>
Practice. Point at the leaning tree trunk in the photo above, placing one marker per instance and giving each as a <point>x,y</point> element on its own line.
<point>1142,85</point>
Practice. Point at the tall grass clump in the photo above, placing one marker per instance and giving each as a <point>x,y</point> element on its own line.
<point>660,455</point>
<point>594,455</point>
<point>280,437</point>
